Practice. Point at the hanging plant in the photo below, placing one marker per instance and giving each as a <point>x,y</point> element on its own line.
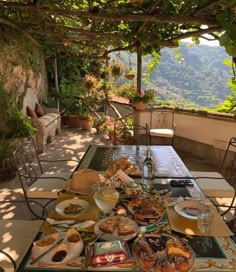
<point>131,74</point>
<point>90,82</point>
<point>117,69</point>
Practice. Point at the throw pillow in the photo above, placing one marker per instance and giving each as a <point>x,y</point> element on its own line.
<point>31,113</point>
<point>39,110</point>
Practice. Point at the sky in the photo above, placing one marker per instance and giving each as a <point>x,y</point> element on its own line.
<point>204,41</point>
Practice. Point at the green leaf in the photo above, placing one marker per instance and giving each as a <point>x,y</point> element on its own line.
<point>228,62</point>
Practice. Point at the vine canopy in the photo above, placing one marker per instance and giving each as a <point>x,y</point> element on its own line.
<point>94,28</point>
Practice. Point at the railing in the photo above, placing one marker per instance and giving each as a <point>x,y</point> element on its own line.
<point>204,134</point>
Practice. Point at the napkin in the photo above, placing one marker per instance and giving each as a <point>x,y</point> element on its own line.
<point>190,227</point>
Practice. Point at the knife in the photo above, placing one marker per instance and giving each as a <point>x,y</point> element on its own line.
<point>52,221</point>
<point>45,252</point>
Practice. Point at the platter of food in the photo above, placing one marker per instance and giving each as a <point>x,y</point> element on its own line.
<point>123,164</point>
<point>70,248</point>
<point>147,210</point>
<point>189,208</point>
<point>116,228</point>
<point>72,207</point>
<point>160,253</point>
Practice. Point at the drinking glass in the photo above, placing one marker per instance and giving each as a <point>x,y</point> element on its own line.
<point>205,220</point>
<point>106,198</point>
<point>92,189</point>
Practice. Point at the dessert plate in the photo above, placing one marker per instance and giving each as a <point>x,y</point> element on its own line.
<point>147,211</point>
<point>115,234</point>
<point>189,209</point>
<point>153,252</point>
<point>72,207</point>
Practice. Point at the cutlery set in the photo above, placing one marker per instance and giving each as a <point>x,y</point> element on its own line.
<point>62,225</point>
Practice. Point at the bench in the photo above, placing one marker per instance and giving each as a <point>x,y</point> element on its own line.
<point>46,120</point>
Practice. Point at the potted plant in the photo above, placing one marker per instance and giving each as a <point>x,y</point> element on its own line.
<point>73,110</point>
<point>99,122</point>
<point>141,100</point>
<point>86,120</point>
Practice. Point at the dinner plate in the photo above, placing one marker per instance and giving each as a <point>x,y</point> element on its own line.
<point>80,205</point>
<point>73,250</point>
<point>189,209</point>
<point>115,236</point>
<point>147,211</point>
<point>140,252</point>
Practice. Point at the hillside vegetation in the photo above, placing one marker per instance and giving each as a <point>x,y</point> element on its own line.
<point>189,76</point>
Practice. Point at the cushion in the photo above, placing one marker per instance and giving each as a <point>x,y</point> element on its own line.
<point>39,110</point>
<point>31,113</point>
<point>213,187</point>
<point>162,132</point>
<point>48,185</point>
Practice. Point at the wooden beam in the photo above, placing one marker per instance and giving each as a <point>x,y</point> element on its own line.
<point>139,67</point>
<point>126,17</point>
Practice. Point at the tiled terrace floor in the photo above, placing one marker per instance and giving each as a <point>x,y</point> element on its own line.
<point>70,144</point>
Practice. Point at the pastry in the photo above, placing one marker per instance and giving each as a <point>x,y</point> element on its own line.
<point>165,266</point>
<point>181,262</point>
<point>157,243</point>
<point>176,247</point>
<point>147,258</point>
<point>123,164</point>
<point>125,228</point>
<point>109,225</point>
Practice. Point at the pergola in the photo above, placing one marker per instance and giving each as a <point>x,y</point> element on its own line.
<point>94,28</point>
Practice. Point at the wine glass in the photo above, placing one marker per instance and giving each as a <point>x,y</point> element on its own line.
<point>106,198</point>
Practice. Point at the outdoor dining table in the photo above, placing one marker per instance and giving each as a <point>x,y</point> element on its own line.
<point>212,253</point>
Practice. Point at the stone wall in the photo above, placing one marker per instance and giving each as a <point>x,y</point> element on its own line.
<point>22,67</point>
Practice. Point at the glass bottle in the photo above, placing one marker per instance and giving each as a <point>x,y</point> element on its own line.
<point>148,171</point>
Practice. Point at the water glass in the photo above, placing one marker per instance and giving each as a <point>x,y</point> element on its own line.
<point>205,220</point>
<point>92,189</point>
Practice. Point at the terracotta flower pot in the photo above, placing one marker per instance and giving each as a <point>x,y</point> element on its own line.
<point>86,124</point>
<point>73,121</point>
<point>140,106</point>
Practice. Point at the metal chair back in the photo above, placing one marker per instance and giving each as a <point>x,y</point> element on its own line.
<point>162,119</point>
<point>27,162</point>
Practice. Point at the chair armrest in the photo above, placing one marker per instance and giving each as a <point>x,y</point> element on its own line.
<point>36,123</point>
<point>10,258</point>
<point>66,160</point>
<point>38,177</point>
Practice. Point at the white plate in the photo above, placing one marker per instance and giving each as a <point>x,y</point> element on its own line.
<point>189,209</point>
<point>60,207</point>
<point>114,235</point>
<point>73,250</point>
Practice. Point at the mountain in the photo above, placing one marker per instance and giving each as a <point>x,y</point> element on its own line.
<point>190,76</point>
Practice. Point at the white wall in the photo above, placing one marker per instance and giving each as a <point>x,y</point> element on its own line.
<point>210,129</point>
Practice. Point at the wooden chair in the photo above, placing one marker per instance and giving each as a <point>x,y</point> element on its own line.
<point>36,184</point>
<point>162,125</point>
